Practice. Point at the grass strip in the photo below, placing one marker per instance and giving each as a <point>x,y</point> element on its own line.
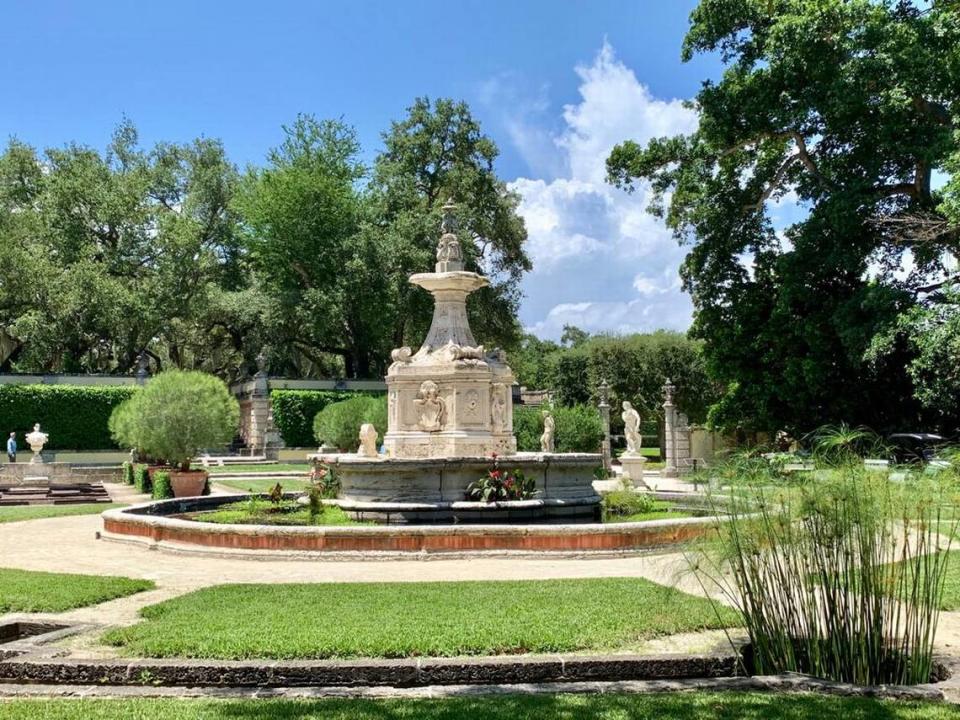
<point>394,620</point>
<point>676,706</point>
<point>30,591</point>
<point>262,485</point>
<point>18,513</point>
<point>264,468</point>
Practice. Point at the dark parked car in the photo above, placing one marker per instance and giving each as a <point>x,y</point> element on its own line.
<point>914,447</point>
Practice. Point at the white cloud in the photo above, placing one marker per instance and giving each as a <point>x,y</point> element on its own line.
<point>600,260</point>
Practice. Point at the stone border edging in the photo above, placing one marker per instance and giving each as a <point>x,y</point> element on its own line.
<point>434,677</point>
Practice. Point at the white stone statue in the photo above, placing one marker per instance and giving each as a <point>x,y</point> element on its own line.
<point>549,427</point>
<point>498,408</point>
<point>430,407</point>
<point>36,440</point>
<point>368,441</point>
<point>631,428</point>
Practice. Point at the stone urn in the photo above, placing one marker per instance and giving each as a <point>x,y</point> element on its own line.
<point>188,483</point>
<point>36,439</point>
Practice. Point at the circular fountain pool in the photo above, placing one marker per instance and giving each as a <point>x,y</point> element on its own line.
<point>162,525</point>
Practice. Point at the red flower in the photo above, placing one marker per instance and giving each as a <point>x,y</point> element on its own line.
<point>495,474</point>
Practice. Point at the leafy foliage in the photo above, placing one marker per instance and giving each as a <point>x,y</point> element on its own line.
<point>141,479</point>
<point>814,569</point>
<point>498,484</point>
<point>635,367</point>
<point>578,428</point>
<point>339,423</point>
<point>295,410</point>
<point>162,489</point>
<point>75,416</point>
<point>106,255</point>
<point>849,105</point>
<point>177,414</point>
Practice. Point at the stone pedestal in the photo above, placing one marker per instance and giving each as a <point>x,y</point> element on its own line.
<point>452,398</point>
<point>633,467</point>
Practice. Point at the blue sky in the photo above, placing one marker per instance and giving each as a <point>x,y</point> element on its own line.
<point>556,84</point>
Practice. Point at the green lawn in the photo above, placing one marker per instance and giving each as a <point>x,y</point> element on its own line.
<point>676,706</point>
<point>411,619</point>
<point>16,513</point>
<point>263,512</point>
<point>28,591</point>
<point>263,485</point>
<point>951,590</point>
<point>656,515</point>
<point>271,467</point>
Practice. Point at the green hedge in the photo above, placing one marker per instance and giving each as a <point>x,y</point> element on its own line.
<point>294,411</point>
<point>162,490</point>
<point>578,428</point>
<point>74,416</point>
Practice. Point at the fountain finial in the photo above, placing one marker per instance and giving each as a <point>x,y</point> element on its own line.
<point>449,257</point>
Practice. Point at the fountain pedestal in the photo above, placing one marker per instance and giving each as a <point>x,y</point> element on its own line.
<point>452,398</point>
<point>449,409</point>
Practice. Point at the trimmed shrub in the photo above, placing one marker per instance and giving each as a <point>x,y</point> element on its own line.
<point>75,416</point>
<point>527,426</point>
<point>295,410</point>
<point>176,415</point>
<point>162,489</point>
<point>339,423</point>
<point>141,479</point>
<point>579,428</point>
<point>128,473</point>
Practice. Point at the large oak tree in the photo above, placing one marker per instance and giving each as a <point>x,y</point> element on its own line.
<point>847,107</point>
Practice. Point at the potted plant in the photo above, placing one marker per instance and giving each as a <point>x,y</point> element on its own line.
<point>177,414</point>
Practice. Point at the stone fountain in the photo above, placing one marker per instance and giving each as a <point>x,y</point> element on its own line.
<point>450,410</point>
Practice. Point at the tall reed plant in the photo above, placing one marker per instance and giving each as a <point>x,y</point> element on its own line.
<point>840,575</point>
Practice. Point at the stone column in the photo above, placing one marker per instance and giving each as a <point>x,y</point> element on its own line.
<point>669,430</point>
<point>261,435</point>
<point>604,406</point>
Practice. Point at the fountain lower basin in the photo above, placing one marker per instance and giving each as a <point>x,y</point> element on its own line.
<point>434,490</point>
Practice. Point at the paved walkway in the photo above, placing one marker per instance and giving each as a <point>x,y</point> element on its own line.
<point>69,545</point>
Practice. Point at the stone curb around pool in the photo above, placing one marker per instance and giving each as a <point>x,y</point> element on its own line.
<point>143,524</point>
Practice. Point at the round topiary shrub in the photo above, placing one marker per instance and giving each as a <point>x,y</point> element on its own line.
<point>177,414</point>
<point>339,423</point>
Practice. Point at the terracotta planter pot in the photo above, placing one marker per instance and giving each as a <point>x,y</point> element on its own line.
<point>188,483</point>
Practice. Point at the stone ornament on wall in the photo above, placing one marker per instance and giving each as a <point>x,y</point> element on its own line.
<point>431,408</point>
<point>471,406</point>
<point>498,408</point>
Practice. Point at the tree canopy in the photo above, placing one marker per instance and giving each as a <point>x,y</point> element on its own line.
<point>847,108</point>
<point>172,254</point>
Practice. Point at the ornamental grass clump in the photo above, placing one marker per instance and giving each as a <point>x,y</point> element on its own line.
<point>840,575</point>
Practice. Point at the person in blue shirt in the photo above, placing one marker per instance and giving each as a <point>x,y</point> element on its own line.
<point>12,447</point>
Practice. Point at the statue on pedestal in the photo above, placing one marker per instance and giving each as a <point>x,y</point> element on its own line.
<point>549,428</point>
<point>631,428</point>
